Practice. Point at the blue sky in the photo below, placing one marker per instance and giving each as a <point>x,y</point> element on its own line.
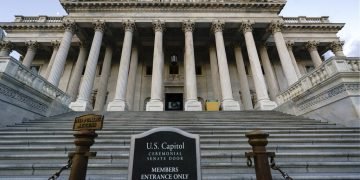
<point>342,11</point>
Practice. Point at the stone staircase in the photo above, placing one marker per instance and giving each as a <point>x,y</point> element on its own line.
<point>305,148</point>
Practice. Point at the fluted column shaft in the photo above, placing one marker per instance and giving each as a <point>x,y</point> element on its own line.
<point>77,72</point>
<point>5,48</point>
<point>55,45</point>
<point>103,83</point>
<point>214,73</point>
<point>290,45</point>
<point>61,55</point>
<point>130,91</point>
<point>270,75</point>
<point>284,55</point>
<point>244,84</point>
<point>312,48</point>
<point>30,53</point>
<point>119,104</point>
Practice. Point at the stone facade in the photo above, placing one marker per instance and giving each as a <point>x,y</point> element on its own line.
<point>172,54</point>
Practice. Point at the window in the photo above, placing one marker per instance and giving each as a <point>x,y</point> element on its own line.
<point>174,65</point>
<point>148,70</point>
<point>198,70</point>
<point>100,69</point>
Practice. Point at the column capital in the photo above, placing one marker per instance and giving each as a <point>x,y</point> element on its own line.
<point>217,26</point>
<point>129,25</point>
<point>276,26</point>
<point>55,43</point>
<point>158,26</point>
<point>290,44</point>
<point>312,45</point>
<point>6,45</point>
<point>70,25</point>
<point>188,26</point>
<point>336,46</point>
<point>33,45</point>
<point>99,25</point>
<point>246,26</point>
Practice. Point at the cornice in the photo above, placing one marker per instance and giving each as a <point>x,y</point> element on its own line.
<point>308,26</point>
<point>31,26</point>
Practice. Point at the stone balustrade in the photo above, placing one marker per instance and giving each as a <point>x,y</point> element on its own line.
<point>22,74</point>
<point>34,19</point>
<point>304,19</point>
<point>319,76</point>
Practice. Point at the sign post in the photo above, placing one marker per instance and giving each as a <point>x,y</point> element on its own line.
<point>85,127</point>
<point>165,153</point>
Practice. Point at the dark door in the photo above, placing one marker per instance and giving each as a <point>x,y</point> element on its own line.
<point>174,102</point>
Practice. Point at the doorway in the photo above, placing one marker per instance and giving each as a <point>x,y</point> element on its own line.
<point>174,102</point>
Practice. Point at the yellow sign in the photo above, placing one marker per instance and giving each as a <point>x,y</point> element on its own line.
<point>88,122</point>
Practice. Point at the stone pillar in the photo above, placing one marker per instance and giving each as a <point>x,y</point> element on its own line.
<point>55,44</point>
<point>75,78</point>
<point>5,48</point>
<point>336,48</point>
<point>228,103</point>
<point>83,101</point>
<point>103,83</point>
<point>155,103</point>
<point>119,104</point>
<point>130,91</point>
<point>191,104</point>
<point>263,101</point>
<point>244,84</point>
<point>60,58</point>
<point>290,45</point>
<point>30,53</point>
<point>269,73</point>
<point>312,48</point>
<point>214,72</point>
<point>284,55</point>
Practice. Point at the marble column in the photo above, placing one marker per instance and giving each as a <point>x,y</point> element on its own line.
<point>83,102</point>
<point>263,101</point>
<point>103,83</point>
<point>244,84</point>
<point>55,44</point>
<point>130,91</point>
<point>32,47</point>
<point>312,48</point>
<point>5,48</point>
<point>75,78</point>
<point>228,103</point>
<point>155,103</point>
<point>214,72</point>
<point>119,102</point>
<point>290,45</point>
<point>336,48</point>
<point>269,73</point>
<point>285,59</point>
<point>60,58</point>
<point>191,104</point>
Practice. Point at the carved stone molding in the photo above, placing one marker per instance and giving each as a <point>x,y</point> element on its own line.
<point>6,45</point>
<point>217,26</point>
<point>290,44</point>
<point>246,26</point>
<point>312,45</point>
<point>55,44</point>
<point>70,26</point>
<point>276,26</point>
<point>99,25</point>
<point>32,45</point>
<point>336,46</point>
<point>188,26</point>
<point>158,26</point>
<point>129,25</point>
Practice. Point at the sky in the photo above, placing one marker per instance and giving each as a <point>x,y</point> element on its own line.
<point>340,11</point>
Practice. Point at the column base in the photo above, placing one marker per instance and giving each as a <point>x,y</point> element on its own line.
<point>230,105</point>
<point>193,105</point>
<point>265,105</point>
<point>155,105</point>
<point>81,105</point>
<point>117,105</point>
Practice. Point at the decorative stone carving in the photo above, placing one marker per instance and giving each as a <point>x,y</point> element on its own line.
<point>32,45</point>
<point>55,44</point>
<point>336,47</point>
<point>188,26</point>
<point>312,45</point>
<point>158,26</point>
<point>99,25</point>
<point>276,26</point>
<point>217,26</point>
<point>290,44</point>
<point>129,25</point>
<point>5,48</point>
<point>70,26</point>
<point>246,26</point>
